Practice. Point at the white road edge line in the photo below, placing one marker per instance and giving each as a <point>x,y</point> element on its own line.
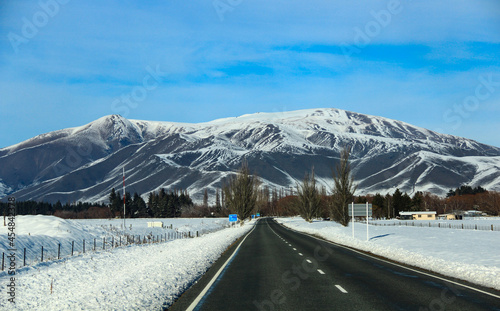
<point>341,289</point>
<point>205,290</point>
<point>393,263</point>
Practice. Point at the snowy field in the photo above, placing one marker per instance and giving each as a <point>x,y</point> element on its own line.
<point>135,277</point>
<point>480,223</point>
<point>470,255</point>
<point>33,232</point>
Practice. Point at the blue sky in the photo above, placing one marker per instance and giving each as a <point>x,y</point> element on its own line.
<point>64,63</point>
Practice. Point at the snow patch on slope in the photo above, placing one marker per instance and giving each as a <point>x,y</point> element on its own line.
<point>4,189</point>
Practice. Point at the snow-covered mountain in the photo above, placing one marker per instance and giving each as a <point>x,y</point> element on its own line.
<point>84,163</point>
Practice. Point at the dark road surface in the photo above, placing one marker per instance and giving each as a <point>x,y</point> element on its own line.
<point>275,268</point>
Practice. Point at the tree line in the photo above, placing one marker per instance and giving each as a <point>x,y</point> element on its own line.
<point>464,190</point>
<point>241,193</point>
<point>161,204</point>
<point>67,210</point>
<point>245,197</point>
<point>384,206</point>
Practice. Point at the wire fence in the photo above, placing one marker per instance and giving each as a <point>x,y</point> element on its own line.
<point>57,251</point>
<point>461,226</point>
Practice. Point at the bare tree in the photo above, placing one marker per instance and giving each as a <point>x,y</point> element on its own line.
<point>240,192</point>
<point>205,198</point>
<point>343,189</point>
<point>309,198</point>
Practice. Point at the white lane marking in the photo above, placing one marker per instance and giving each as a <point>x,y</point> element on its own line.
<point>393,263</point>
<point>320,271</point>
<point>205,290</point>
<point>301,254</point>
<point>308,261</point>
<point>294,249</point>
<point>341,289</point>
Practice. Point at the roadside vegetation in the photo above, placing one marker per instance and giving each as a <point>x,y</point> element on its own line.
<point>242,193</point>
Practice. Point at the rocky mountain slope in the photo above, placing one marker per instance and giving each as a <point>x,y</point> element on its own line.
<point>84,163</point>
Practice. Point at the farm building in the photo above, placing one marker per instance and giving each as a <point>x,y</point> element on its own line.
<point>418,215</point>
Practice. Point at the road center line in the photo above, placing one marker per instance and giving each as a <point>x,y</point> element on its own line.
<point>320,271</point>
<point>391,263</point>
<point>341,289</point>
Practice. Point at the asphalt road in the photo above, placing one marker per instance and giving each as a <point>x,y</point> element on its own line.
<point>275,268</point>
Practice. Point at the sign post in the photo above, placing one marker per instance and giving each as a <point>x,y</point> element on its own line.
<point>352,214</point>
<point>361,210</point>
<point>367,236</point>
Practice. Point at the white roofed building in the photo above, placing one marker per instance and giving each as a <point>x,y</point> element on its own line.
<point>428,215</point>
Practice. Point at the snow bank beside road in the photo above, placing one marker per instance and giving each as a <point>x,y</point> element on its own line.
<point>130,278</point>
<point>35,232</point>
<point>469,255</point>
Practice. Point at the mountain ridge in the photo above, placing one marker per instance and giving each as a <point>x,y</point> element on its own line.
<point>84,163</point>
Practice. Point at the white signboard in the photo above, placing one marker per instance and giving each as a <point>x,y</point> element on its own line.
<point>360,210</point>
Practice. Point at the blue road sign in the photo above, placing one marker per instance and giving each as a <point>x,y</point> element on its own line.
<point>233,217</point>
<point>253,216</point>
<point>258,214</point>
